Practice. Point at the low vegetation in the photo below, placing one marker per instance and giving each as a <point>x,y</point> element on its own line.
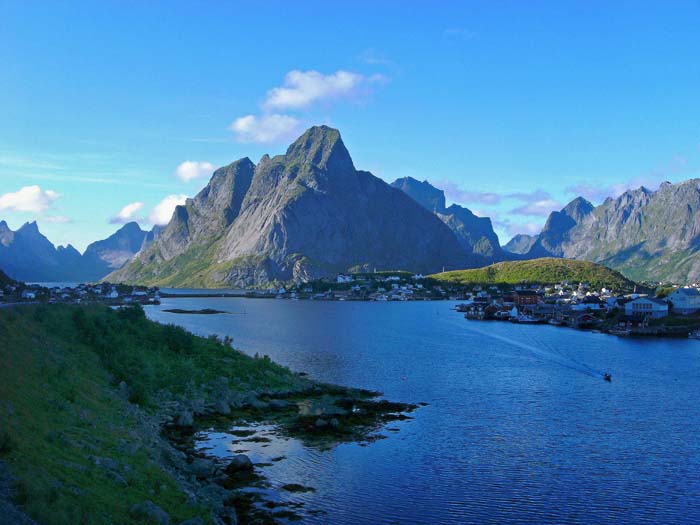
<point>540,271</point>
<point>78,450</point>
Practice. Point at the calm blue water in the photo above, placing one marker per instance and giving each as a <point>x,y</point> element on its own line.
<point>520,428</point>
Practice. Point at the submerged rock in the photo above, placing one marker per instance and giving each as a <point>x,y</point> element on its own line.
<point>239,463</point>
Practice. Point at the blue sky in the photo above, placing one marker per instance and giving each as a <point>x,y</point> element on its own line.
<point>513,107</point>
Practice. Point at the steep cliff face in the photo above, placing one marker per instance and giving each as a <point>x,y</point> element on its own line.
<point>550,242</point>
<point>302,215</point>
<point>475,234</point>
<point>647,235</point>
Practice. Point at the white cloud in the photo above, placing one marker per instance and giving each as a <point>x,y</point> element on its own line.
<point>299,90</point>
<point>57,219</point>
<point>267,128</point>
<point>192,169</point>
<point>540,208</point>
<point>28,199</point>
<point>455,194</point>
<point>303,88</point>
<point>163,211</point>
<point>127,213</point>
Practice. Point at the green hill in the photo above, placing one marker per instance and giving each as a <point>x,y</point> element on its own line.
<point>540,271</point>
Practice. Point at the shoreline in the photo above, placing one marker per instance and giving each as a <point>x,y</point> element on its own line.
<point>126,426</point>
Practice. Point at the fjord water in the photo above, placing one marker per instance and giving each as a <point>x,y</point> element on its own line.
<point>520,426</point>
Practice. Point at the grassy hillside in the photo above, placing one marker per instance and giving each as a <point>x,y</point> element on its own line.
<point>540,271</point>
<point>79,451</point>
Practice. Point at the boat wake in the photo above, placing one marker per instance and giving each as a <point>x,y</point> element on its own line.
<point>546,352</point>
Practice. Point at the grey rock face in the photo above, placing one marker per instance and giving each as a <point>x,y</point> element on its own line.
<point>302,215</point>
<point>652,235</point>
<point>107,255</point>
<point>475,234</point>
<point>520,244</point>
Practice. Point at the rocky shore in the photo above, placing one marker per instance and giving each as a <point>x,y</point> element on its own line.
<point>99,413</point>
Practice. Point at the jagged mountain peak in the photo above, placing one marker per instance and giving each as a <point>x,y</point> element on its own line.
<point>475,234</point>
<point>424,193</point>
<point>29,227</point>
<point>306,214</point>
<point>578,208</point>
<point>323,147</point>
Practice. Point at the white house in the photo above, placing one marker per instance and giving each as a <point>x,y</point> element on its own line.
<point>647,307</point>
<point>341,279</point>
<point>685,300</point>
<point>26,294</point>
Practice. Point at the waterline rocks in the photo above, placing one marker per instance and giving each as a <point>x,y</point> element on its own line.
<point>239,463</point>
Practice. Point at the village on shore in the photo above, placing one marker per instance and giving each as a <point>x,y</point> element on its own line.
<point>675,314</point>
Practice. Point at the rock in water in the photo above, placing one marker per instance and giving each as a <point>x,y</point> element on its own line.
<point>239,463</point>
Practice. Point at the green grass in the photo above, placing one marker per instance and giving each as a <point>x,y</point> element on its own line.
<point>539,271</point>
<point>59,368</point>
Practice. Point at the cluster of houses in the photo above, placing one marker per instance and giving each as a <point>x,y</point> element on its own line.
<point>581,307</point>
<point>399,286</point>
<point>81,293</point>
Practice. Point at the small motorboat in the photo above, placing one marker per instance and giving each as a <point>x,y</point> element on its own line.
<point>607,377</point>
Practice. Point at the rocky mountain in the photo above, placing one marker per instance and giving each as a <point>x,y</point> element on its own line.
<point>645,234</point>
<point>475,234</point>
<point>27,255</point>
<point>550,241</point>
<point>105,256</point>
<point>520,244</point>
<point>302,215</point>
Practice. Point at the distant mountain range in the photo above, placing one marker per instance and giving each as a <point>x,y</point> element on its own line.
<point>310,213</point>
<point>27,255</point>
<point>644,234</point>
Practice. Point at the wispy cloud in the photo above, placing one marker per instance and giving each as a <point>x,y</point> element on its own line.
<point>163,211</point>
<point>536,203</point>
<point>677,165</point>
<point>28,199</point>
<point>511,228</point>
<point>300,89</point>
<point>57,219</point>
<point>537,208</point>
<point>373,58</point>
<point>264,129</point>
<point>456,194</point>
<point>127,213</point>
<point>126,179</point>
<point>192,169</point>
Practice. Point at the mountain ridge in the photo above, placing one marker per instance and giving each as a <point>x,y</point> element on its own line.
<point>646,234</point>
<point>305,214</point>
